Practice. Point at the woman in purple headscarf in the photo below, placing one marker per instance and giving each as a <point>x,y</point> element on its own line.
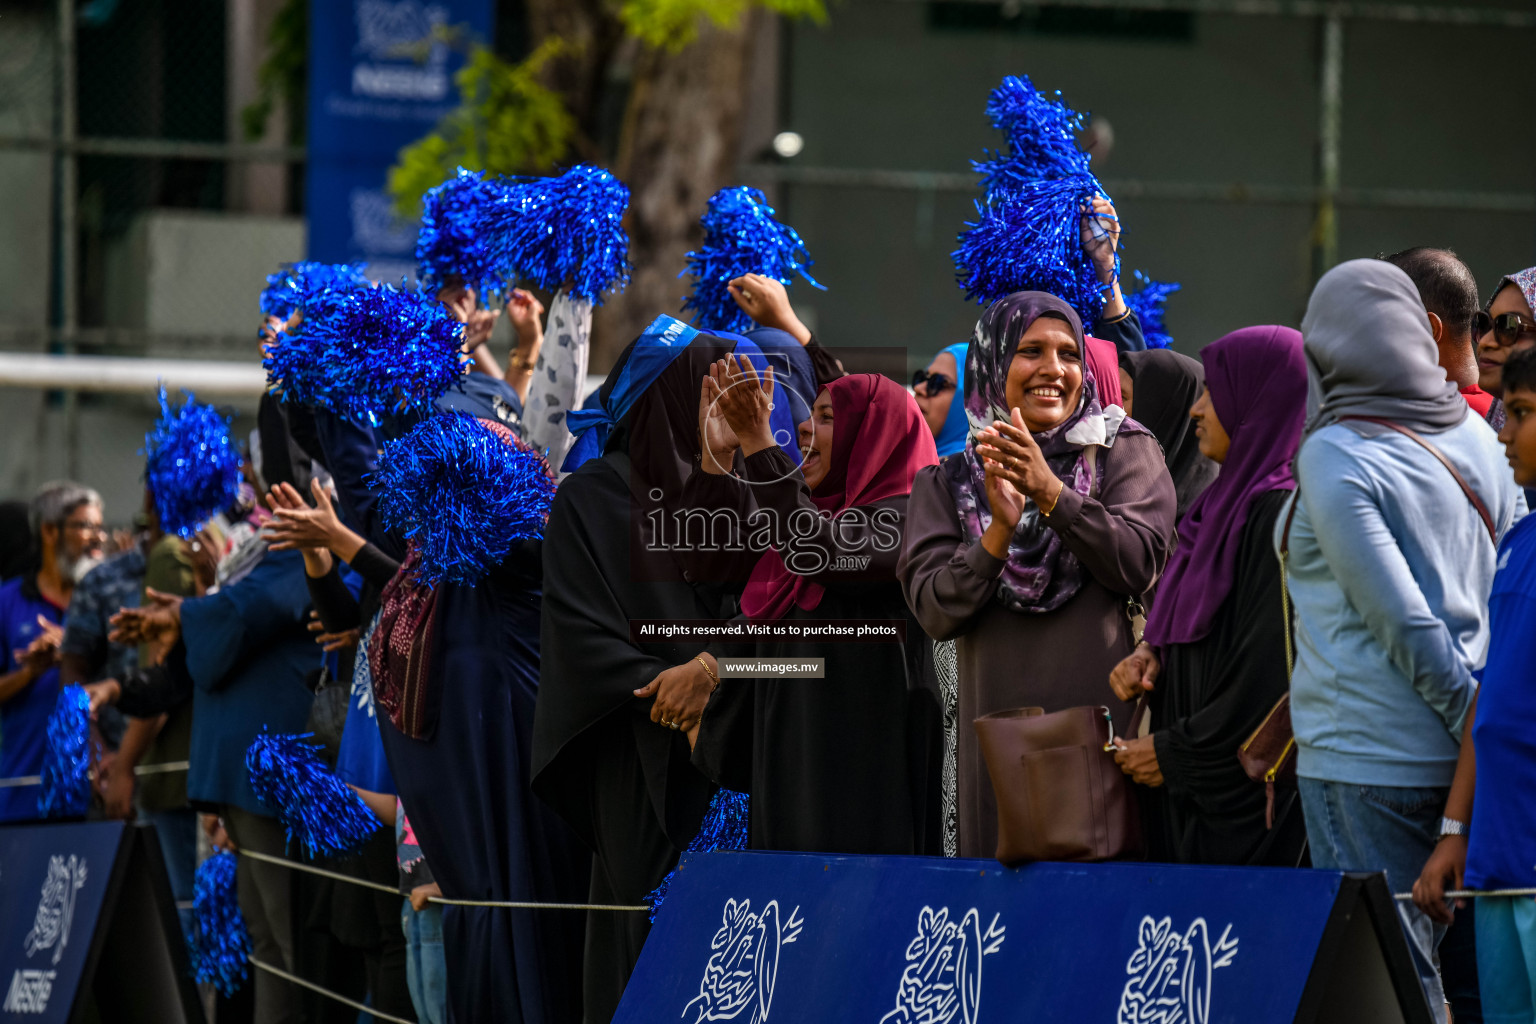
<point>1214,656</point>
<point>1032,545</point>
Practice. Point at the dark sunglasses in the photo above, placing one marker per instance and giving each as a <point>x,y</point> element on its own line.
<point>937,382</point>
<point>1507,328</point>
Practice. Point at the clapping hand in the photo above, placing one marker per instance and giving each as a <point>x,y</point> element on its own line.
<point>718,442</point>
<point>745,399</point>
<point>157,621</point>
<point>43,652</point>
<point>1009,451</point>
<point>296,526</point>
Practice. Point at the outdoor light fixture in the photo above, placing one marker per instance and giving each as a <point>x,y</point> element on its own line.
<point>788,144</point>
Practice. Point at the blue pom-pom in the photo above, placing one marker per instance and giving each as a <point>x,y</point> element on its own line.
<point>298,286</point>
<point>451,243</point>
<point>1148,302</point>
<point>219,945</point>
<point>463,493</point>
<point>321,812</point>
<point>741,236</point>
<point>191,465</point>
<point>724,828</point>
<point>369,353</point>
<point>1042,136</point>
<point>66,791</point>
<point>1029,239</point>
<point>565,230</point>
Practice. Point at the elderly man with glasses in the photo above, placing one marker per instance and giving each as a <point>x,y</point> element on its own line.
<point>70,541</point>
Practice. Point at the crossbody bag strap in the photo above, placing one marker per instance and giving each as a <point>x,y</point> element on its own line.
<point>1285,583</point>
<point>1477,503</point>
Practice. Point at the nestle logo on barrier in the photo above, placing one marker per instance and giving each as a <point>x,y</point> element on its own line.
<point>29,991</point>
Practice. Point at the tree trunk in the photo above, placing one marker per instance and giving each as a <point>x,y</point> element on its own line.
<point>593,36</point>
<point>679,145</point>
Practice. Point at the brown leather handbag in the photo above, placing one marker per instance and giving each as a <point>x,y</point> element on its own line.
<point>1060,795</point>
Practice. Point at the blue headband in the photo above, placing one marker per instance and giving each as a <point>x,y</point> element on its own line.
<point>658,347</point>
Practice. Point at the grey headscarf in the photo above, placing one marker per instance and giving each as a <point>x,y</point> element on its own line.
<point>1370,353</point>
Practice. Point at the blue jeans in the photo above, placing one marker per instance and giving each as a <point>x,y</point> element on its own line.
<point>1382,828</point>
<point>177,831</point>
<point>1506,959</point>
<point>426,970</point>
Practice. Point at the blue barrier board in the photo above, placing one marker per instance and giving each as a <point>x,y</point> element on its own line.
<point>909,940</point>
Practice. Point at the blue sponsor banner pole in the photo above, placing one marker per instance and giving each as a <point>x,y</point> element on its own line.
<point>380,77</point>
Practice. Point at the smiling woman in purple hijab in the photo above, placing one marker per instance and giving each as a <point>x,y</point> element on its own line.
<point>1213,657</point>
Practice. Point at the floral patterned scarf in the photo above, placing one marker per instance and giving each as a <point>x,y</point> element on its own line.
<point>1041,574</point>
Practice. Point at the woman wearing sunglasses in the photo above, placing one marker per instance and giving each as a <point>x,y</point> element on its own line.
<point>935,388</point>
<point>1507,325</point>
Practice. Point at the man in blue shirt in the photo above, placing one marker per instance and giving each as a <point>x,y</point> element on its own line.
<point>1494,847</point>
<point>70,541</point>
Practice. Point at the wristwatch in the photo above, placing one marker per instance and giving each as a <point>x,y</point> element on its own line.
<point>1452,827</point>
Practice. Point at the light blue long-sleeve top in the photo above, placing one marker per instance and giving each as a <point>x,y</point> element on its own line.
<point>1390,569</point>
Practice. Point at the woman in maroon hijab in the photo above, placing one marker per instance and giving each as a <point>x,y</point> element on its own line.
<point>848,762</point>
<point>1214,655</point>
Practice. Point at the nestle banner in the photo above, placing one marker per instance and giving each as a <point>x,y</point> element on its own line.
<point>380,77</point>
<point>88,927</point>
<point>761,937</point>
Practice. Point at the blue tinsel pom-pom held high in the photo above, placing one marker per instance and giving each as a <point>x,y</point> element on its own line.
<point>369,353</point>
<point>741,236</point>
<point>1028,231</point>
<point>191,465</point>
<point>565,230</point>
<point>301,285</point>
<point>451,244</point>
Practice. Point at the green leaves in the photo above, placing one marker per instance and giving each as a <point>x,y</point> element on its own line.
<point>673,24</point>
<point>507,122</point>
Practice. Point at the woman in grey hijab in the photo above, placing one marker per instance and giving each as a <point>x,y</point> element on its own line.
<point>1389,571</point>
<point>1370,353</point>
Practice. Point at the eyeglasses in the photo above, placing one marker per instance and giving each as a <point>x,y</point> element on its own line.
<point>95,529</point>
<point>937,382</point>
<point>1508,328</point>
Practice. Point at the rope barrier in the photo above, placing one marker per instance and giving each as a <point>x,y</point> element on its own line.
<point>181,766</point>
<point>296,980</point>
<point>447,901</point>
<point>18,781</point>
<point>1472,894</point>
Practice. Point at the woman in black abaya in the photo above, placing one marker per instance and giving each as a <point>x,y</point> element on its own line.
<point>847,763</point>
<point>613,761</point>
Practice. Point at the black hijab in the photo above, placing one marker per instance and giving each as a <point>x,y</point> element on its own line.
<point>1165,384</point>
